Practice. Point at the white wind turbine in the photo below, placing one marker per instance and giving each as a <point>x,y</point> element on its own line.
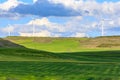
<point>102,21</point>
<point>33,27</point>
<point>9,33</point>
<point>102,25</point>
<point>9,29</point>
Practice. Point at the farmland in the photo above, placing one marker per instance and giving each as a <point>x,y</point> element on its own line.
<point>59,71</point>
<point>23,58</point>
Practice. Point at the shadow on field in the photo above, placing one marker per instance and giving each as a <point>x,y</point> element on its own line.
<point>9,48</point>
<point>108,56</point>
<point>8,44</point>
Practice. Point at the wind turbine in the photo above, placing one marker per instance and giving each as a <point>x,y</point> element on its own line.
<point>102,20</point>
<point>9,30</point>
<point>33,28</point>
<point>102,25</point>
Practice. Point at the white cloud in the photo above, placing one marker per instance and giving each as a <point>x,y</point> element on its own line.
<point>67,7</point>
<point>80,35</point>
<point>91,6</point>
<point>34,1</point>
<point>6,6</point>
<point>44,28</point>
<point>9,4</point>
<point>44,22</point>
<point>8,29</point>
<point>43,33</point>
<point>67,3</point>
<point>40,22</point>
<point>14,16</point>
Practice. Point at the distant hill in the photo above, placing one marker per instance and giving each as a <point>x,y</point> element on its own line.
<point>103,42</point>
<point>67,44</point>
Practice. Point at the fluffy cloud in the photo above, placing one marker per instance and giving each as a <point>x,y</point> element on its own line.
<point>6,6</point>
<point>68,8</point>
<point>9,4</point>
<point>44,8</point>
<point>64,8</point>
<point>8,29</point>
<point>45,28</point>
<point>34,1</point>
<point>79,35</point>
<point>4,14</point>
<point>43,33</point>
<point>91,7</point>
<point>40,22</point>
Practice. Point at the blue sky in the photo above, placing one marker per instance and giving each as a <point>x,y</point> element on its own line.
<point>26,1</point>
<point>56,18</point>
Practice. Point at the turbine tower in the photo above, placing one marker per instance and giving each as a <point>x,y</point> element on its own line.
<point>9,31</point>
<point>102,26</point>
<point>33,27</point>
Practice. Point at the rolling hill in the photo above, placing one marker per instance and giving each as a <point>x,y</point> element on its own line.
<point>32,58</point>
<point>60,49</point>
<point>68,44</point>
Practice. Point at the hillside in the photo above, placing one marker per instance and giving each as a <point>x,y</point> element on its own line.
<point>23,58</point>
<point>68,44</point>
<point>45,49</point>
<point>8,44</point>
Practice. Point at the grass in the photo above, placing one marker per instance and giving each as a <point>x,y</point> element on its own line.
<point>59,71</point>
<point>18,54</point>
<point>68,44</point>
<point>29,64</point>
<point>23,58</point>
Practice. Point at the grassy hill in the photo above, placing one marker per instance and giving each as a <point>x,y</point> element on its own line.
<point>69,49</point>
<point>25,58</point>
<point>68,44</point>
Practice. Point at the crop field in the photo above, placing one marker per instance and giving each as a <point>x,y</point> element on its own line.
<point>59,71</point>
<point>59,59</point>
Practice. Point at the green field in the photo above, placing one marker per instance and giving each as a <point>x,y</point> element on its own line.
<point>23,58</point>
